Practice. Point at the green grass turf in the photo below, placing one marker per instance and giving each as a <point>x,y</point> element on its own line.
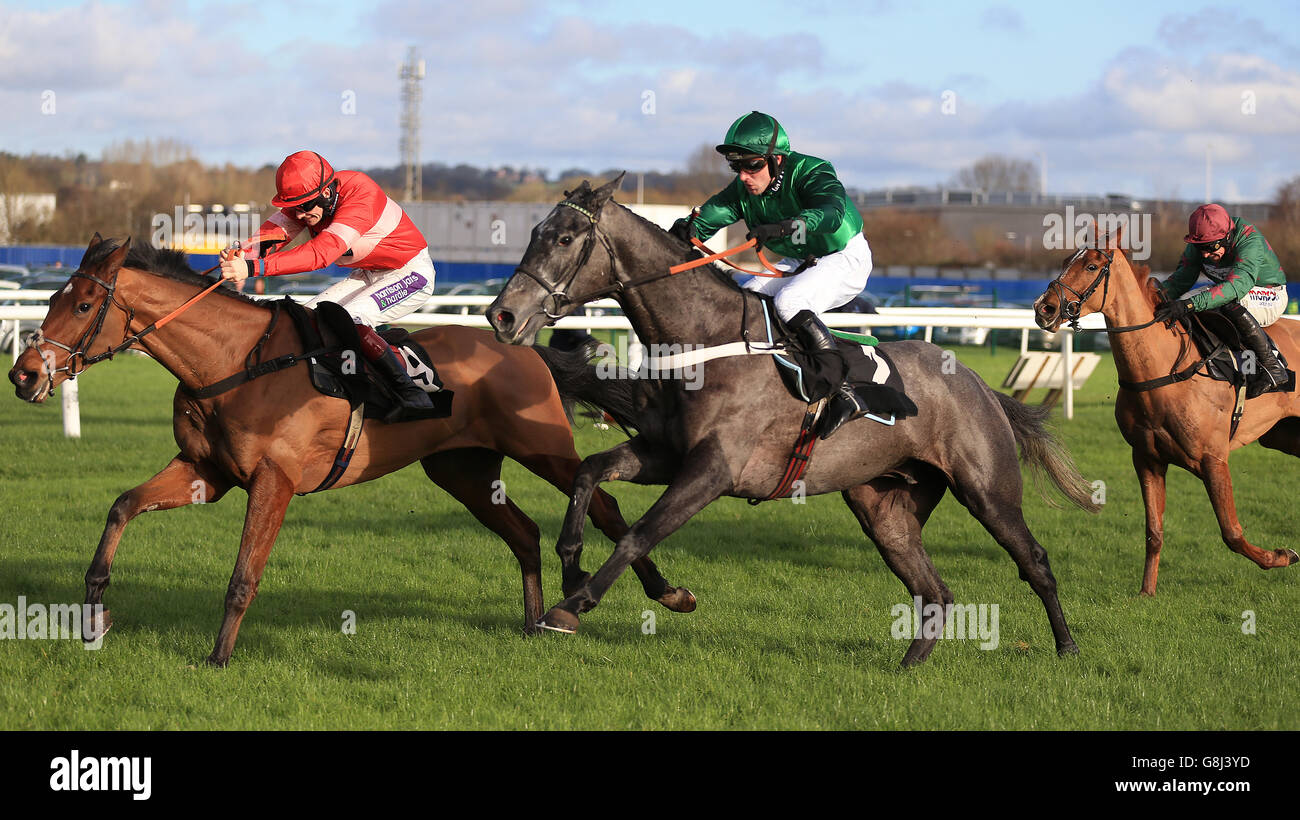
<point>793,628</point>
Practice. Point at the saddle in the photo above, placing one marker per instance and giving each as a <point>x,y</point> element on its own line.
<point>869,368</point>
<point>340,371</point>
<point>1219,343</point>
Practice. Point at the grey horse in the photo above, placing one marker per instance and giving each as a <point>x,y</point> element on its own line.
<point>734,434</point>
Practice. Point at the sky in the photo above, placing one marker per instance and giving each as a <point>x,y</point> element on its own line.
<point>1113,97</point>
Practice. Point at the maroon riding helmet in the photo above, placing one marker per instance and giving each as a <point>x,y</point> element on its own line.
<point>1208,223</point>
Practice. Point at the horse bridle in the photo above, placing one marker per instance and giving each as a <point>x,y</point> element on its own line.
<point>1071,309</point>
<point>556,299</point>
<point>77,353</point>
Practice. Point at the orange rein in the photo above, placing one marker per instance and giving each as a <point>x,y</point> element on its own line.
<point>178,311</point>
<point>721,255</point>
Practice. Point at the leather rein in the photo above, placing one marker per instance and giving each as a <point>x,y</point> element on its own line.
<point>557,300</point>
<point>1072,308</point>
<point>77,361</point>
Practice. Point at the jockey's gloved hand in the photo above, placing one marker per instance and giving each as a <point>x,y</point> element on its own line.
<point>234,266</point>
<point>1169,312</point>
<point>683,229</point>
<point>773,230</point>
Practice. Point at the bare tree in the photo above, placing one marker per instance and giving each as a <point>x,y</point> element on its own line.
<point>1287,202</point>
<point>706,167</point>
<point>998,173</point>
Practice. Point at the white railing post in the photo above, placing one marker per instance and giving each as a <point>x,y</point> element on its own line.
<point>635,351</point>
<point>1067,361</point>
<point>71,410</point>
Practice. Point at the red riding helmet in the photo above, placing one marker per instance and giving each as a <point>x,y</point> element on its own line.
<point>1208,223</point>
<point>301,178</point>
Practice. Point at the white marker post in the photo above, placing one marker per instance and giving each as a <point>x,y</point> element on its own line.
<point>71,410</point>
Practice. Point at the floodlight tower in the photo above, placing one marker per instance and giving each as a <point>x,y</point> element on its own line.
<point>412,74</point>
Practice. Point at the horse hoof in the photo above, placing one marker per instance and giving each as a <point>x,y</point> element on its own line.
<point>678,599</point>
<point>1070,648</point>
<point>94,628</point>
<point>217,663</point>
<point>1292,558</point>
<point>559,620</point>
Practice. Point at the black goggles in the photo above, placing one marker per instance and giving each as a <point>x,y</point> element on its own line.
<point>1210,247</point>
<point>749,164</point>
<point>309,204</point>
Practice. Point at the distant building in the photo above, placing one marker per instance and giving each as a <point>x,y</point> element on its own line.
<point>499,232</point>
<point>1017,215</point>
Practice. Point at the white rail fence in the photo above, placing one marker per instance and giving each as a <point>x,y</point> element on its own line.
<point>468,310</point>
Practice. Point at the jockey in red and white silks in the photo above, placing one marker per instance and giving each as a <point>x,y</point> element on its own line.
<point>355,224</point>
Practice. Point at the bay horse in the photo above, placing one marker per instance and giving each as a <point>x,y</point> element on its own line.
<point>1187,422</point>
<point>276,435</point>
<point>733,435</point>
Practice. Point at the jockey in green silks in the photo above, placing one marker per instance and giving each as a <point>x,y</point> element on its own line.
<point>1248,287</point>
<point>795,205</point>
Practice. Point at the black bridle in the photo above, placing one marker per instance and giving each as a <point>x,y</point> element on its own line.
<point>77,351</point>
<point>557,300</point>
<point>1071,309</point>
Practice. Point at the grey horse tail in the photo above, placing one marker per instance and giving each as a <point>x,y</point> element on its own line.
<point>1044,452</point>
<point>578,380</point>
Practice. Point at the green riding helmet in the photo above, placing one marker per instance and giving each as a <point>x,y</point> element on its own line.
<point>754,134</point>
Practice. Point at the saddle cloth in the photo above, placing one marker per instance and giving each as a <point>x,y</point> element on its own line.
<point>867,365</point>
<point>340,372</point>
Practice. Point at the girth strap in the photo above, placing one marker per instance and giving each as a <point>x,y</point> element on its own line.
<point>1181,376</point>
<point>799,456</point>
<point>348,448</point>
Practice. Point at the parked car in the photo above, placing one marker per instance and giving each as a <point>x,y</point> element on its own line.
<point>13,273</point>
<point>296,284</point>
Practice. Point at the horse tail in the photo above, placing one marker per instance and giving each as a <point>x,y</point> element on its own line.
<point>1044,452</point>
<point>578,380</point>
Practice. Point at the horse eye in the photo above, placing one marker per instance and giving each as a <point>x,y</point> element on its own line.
<point>565,240</point>
<point>1092,267</point>
<point>84,307</point>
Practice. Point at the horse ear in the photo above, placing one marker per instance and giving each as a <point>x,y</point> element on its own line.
<point>116,258</point>
<point>1117,241</point>
<point>94,240</point>
<point>606,191</point>
<point>585,187</point>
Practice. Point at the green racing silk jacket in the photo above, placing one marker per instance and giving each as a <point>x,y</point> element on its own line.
<point>807,189</point>
<point>1249,262</point>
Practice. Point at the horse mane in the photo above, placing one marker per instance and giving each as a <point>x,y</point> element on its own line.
<point>683,249</point>
<point>164,262</point>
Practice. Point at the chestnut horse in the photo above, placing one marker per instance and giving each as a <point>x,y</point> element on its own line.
<point>276,435</point>
<point>1185,423</point>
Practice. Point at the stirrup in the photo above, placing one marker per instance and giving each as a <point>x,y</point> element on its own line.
<point>844,406</point>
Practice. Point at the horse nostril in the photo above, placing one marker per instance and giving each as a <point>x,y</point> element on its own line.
<point>504,319</point>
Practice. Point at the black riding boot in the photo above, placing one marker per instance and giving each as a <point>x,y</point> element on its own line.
<point>845,404</point>
<point>414,402</point>
<point>1257,342</point>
